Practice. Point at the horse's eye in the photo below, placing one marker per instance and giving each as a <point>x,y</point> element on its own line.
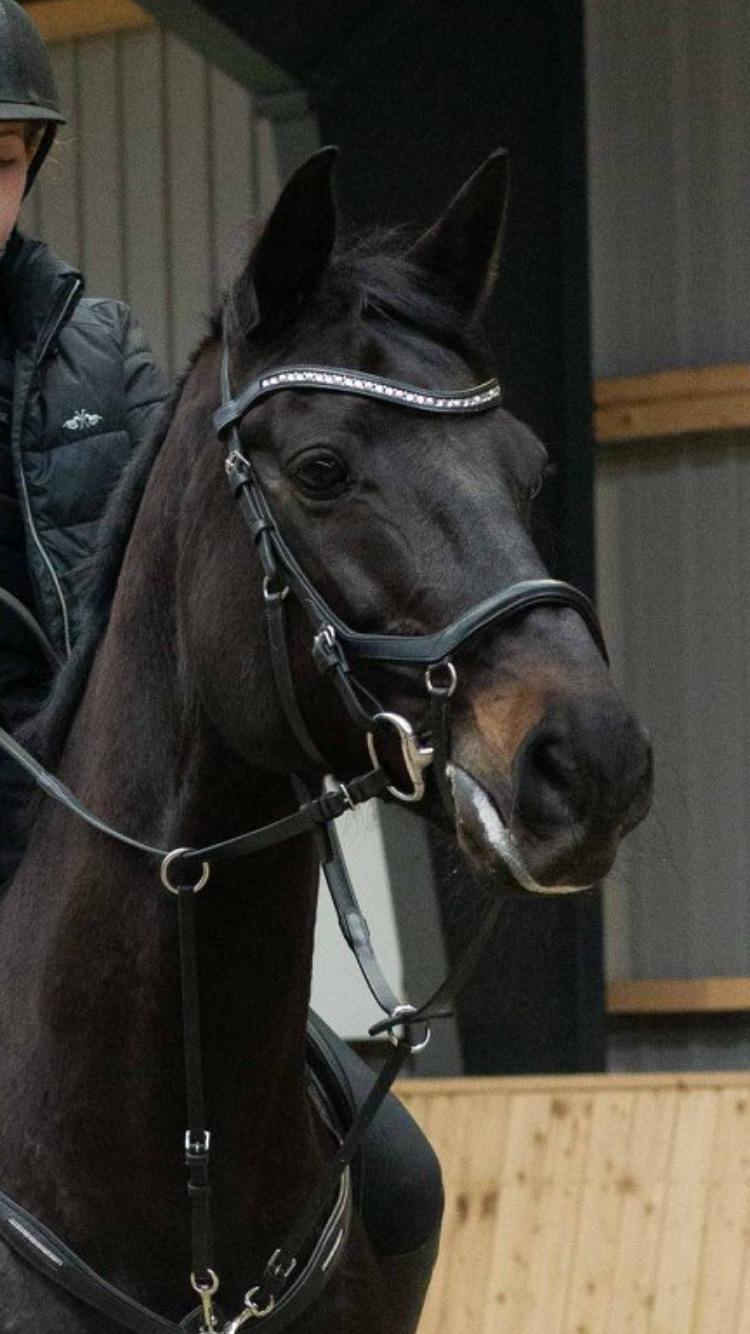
<point>320,474</point>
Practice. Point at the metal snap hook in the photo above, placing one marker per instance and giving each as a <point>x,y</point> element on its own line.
<point>416,758</point>
<point>164,872</point>
<point>206,1292</point>
<point>258,1311</point>
<point>251,1311</point>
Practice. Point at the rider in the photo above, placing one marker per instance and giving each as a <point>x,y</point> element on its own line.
<point>78,392</point>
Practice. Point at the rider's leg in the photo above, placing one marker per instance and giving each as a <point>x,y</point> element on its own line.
<point>399,1188</point>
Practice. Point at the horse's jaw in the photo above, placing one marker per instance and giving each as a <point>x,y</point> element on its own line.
<point>487,839</point>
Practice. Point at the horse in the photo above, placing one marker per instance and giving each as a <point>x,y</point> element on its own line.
<point>169,722</point>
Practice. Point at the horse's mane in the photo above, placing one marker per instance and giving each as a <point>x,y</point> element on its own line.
<point>372,276</point>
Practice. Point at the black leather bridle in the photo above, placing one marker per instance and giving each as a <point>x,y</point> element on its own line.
<point>290,1282</point>
<point>335,646</point>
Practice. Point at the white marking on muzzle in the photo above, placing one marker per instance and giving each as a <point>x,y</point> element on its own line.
<point>500,838</point>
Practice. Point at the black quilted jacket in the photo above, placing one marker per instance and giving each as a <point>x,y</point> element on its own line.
<point>86,391</point>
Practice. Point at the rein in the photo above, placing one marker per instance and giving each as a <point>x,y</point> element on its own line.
<point>284,1289</point>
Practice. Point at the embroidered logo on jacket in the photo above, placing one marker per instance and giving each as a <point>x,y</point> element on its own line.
<point>81,420</point>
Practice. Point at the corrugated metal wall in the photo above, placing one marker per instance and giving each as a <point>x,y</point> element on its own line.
<point>674,561</point>
<point>669,104</point>
<point>673,588</point>
<point>150,192</point>
<point>669,167</point>
<point>153,182</point>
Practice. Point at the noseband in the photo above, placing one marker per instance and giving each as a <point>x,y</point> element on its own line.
<point>335,645</point>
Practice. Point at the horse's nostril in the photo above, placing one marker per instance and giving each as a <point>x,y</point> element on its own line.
<point>585,766</point>
<point>552,762</point>
<point>548,781</point>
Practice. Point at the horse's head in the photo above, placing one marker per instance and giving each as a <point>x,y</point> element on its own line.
<point>402,521</point>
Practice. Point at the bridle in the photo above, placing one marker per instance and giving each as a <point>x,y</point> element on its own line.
<point>335,646</point>
<point>287,1287</point>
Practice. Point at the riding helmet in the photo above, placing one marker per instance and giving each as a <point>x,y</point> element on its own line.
<point>27,84</point>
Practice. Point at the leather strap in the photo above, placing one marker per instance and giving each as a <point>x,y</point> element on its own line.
<point>277,1269</point>
<point>318,811</point>
<point>275,621</point>
<point>42,1249</point>
<point>496,610</point>
<point>424,650</point>
<point>197,1139</point>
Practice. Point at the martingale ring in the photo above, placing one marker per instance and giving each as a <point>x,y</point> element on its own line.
<point>164,872</point>
<point>404,1013</point>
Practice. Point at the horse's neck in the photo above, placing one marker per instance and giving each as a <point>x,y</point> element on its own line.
<point>91,971</point>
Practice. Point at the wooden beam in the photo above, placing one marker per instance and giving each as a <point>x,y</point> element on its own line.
<point>479,1086</point>
<point>706,398</point>
<point>697,995</point>
<point>63,20</point>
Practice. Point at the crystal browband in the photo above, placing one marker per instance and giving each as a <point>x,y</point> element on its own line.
<point>478,398</point>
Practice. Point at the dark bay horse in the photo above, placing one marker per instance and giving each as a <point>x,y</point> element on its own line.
<point>168,723</point>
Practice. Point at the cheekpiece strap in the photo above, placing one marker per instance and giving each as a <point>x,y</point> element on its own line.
<point>341,380</point>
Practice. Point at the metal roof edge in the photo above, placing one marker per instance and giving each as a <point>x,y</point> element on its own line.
<point>224,48</point>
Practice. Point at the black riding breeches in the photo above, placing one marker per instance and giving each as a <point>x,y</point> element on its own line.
<point>397,1181</point>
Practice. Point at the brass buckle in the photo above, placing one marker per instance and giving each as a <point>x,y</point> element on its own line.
<point>206,1292</point>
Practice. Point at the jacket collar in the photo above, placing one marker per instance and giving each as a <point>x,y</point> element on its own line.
<point>38,292</point>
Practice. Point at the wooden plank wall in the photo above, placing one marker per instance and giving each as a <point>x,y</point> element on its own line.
<point>591,1205</point>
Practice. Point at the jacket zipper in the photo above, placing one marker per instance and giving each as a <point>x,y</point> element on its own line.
<point>43,347</point>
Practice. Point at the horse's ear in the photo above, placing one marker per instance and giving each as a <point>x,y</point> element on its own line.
<point>293,249</point>
<point>463,246</point>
